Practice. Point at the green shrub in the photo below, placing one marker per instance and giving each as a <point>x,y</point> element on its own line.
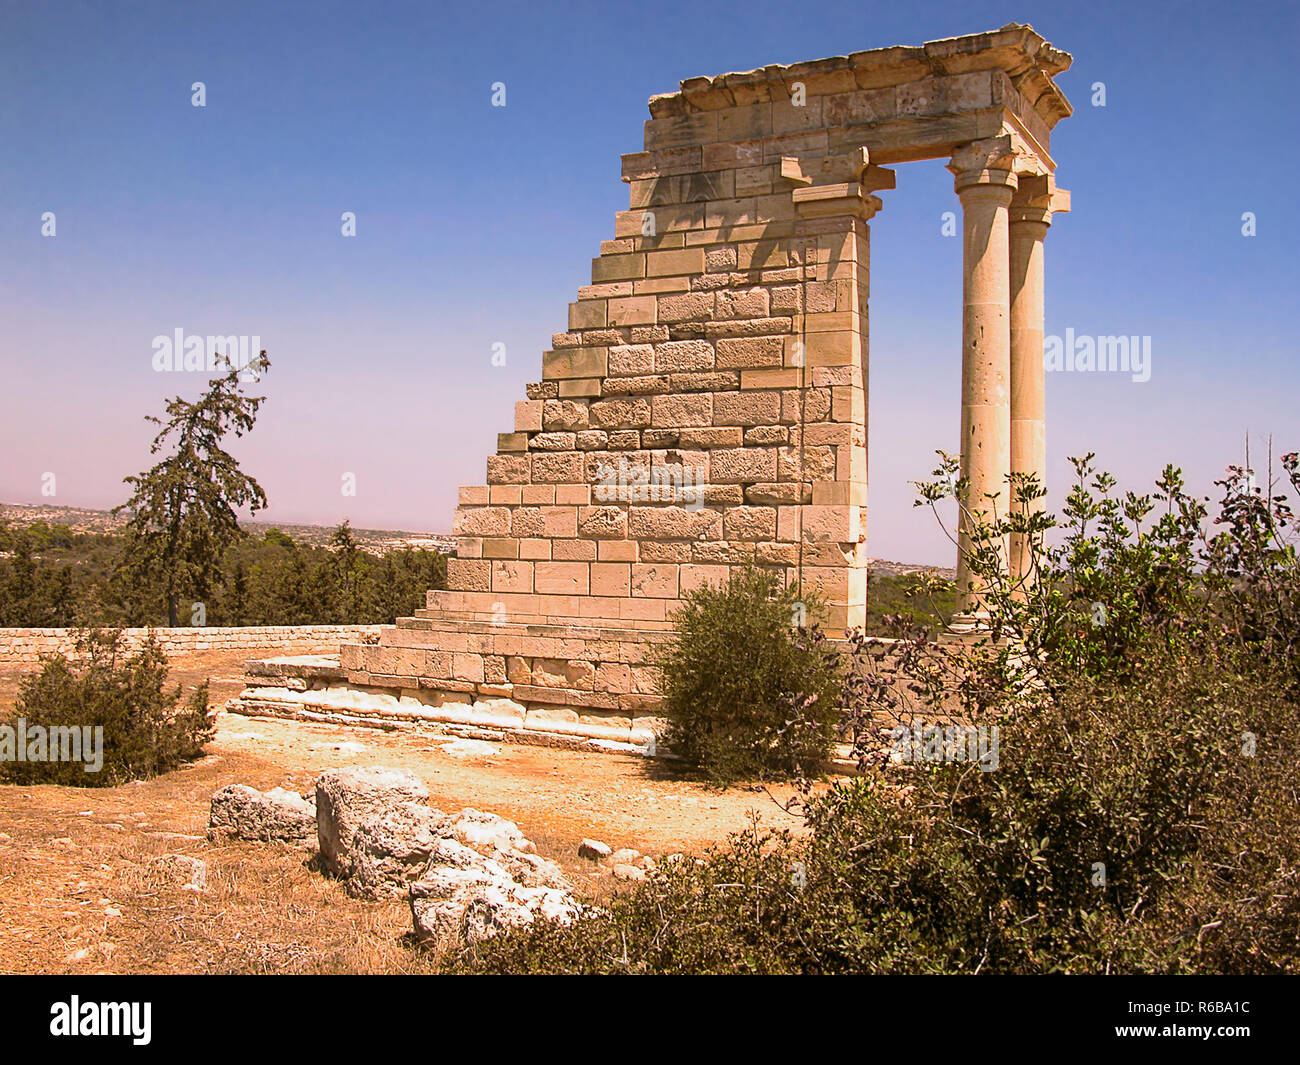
<point>750,688</point>
<point>146,729</point>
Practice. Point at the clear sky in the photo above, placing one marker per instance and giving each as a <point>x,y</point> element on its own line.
<point>476,226</point>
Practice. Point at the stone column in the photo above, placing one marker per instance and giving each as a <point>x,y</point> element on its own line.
<point>1031,213</point>
<point>985,183</point>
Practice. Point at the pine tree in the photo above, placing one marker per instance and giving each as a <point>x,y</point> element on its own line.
<point>183,509</point>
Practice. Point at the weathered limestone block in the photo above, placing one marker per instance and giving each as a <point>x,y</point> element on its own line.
<point>563,467</point>
<point>750,352</point>
<point>682,411</point>
<point>683,355</point>
<point>674,523</point>
<point>656,439</point>
<point>621,413</point>
<point>575,362</point>
<point>749,523</point>
<point>465,897</point>
<point>747,408</point>
<point>389,850</point>
<point>277,816</point>
<point>702,439</point>
<point>561,578</point>
<point>624,440</point>
<point>469,574</point>
<point>551,442</point>
<point>767,494</point>
<point>705,381</point>
<point>739,465</point>
<point>572,551</point>
<point>725,552</point>
<point>655,580</point>
<point>603,522</point>
<point>507,469</point>
<point>591,440</point>
<point>664,551</point>
<point>374,827</point>
<point>631,359</point>
<point>487,833</point>
<point>644,385</point>
<point>759,435</point>
<point>481,521</point>
<point>564,414</point>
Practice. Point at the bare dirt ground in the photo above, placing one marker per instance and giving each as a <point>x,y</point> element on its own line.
<point>77,894</point>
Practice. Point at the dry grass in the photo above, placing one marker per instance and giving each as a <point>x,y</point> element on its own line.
<point>77,894</point>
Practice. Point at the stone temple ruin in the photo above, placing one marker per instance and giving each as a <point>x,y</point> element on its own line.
<point>707,403</point>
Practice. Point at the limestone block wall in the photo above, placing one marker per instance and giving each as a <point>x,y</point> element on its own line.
<point>706,405</point>
<point>28,645</point>
<point>599,672</point>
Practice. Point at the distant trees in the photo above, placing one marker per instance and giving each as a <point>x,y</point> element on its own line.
<point>183,509</point>
<point>261,580</point>
<point>182,543</point>
<point>32,594</point>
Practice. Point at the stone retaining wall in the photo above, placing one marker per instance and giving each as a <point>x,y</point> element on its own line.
<point>27,645</point>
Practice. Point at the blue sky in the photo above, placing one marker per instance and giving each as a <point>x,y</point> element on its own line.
<point>476,226</point>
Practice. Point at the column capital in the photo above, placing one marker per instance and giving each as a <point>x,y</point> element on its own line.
<point>991,161</point>
<point>828,201</point>
<point>830,185</point>
<point>1037,198</point>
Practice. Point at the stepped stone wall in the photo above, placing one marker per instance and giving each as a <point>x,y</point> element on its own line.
<point>706,405</point>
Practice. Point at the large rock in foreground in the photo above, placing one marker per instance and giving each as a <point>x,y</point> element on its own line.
<point>275,816</point>
<point>375,829</point>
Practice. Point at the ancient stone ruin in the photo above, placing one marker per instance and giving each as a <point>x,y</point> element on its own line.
<point>466,876</point>
<point>707,404</point>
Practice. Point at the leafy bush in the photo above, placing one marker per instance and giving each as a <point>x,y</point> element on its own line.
<point>147,729</point>
<point>750,689</point>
